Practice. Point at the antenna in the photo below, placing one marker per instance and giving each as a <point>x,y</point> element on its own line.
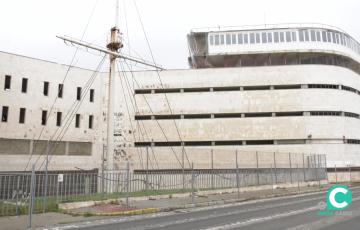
<point>117,13</point>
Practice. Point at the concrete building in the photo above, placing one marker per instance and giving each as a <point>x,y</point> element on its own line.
<point>283,88</point>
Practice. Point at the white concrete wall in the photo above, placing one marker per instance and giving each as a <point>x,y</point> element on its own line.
<point>38,71</point>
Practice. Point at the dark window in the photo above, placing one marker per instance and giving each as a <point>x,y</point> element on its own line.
<point>211,40</point>
<point>58,118</point>
<point>281,36</point>
<point>24,85</point>
<point>233,39</point>
<point>77,121</point>
<point>288,36</point>
<point>91,121</point>
<point>312,35</point>
<point>276,37</point>
<point>252,38</point>
<point>78,93</point>
<point>318,38</point>
<point>306,35</point>
<point>7,82</point>
<point>5,114</point>
<point>324,37</point>
<point>301,35</point>
<point>22,115</point>
<point>92,94</point>
<point>60,90</point>
<point>257,38</point>
<point>216,39</point>
<point>228,39</point>
<point>240,38</point>
<point>263,37</point>
<point>294,36</point>
<point>46,88</point>
<point>221,39</point>
<point>269,37</point>
<point>43,117</point>
<point>246,38</point>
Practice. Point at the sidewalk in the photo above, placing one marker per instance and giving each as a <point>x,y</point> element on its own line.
<point>151,205</point>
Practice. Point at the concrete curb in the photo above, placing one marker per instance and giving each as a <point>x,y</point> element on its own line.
<point>121,213</point>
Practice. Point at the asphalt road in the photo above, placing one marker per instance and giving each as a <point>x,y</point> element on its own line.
<point>297,212</point>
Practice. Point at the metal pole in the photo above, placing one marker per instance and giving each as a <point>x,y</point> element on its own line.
<point>17,195</point>
<point>32,195</point>
<point>349,174</point>
<point>336,178</point>
<point>275,168</point>
<point>183,166</point>
<point>237,175</point>
<point>257,168</point>
<point>127,183</point>
<point>317,171</point>
<point>212,168</point>
<point>147,169</point>
<point>192,183</point>
<point>297,177</point>
<point>272,179</point>
<point>303,156</point>
<point>46,176</point>
<point>291,179</point>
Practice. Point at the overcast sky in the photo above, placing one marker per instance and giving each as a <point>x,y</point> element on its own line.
<point>29,27</point>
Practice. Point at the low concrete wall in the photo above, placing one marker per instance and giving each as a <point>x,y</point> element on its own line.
<point>342,176</point>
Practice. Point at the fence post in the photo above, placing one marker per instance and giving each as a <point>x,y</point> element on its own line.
<point>297,177</point>
<point>147,169</point>
<point>46,177</point>
<point>183,166</point>
<point>212,169</point>
<point>127,182</point>
<point>192,183</point>
<point>303,156</point>
<point>272,179</point>
<point>32,195</point>
<point>317,170</point>
<point>336,180</point>
<point>291,178</point>
<point>350,174</point>
<point>237,174</point>
<point>17,195</point>
<point>275,168</point>
<point>257,169</point>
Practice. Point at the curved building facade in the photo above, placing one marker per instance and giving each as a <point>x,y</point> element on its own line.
<point>293,88</point>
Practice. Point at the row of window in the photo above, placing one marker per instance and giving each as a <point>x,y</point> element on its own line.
<point>46,86</point>
<point>238,142</point>
<point>289,35</point>
<point>246,88</point>
<point>242,115</point>
<point>44,117</point>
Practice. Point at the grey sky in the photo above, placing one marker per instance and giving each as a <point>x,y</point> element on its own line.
<point>29,27</point>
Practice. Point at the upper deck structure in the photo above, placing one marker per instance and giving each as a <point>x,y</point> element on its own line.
<point>280,44</point>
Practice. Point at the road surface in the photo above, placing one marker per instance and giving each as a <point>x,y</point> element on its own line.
<point>296,212</point>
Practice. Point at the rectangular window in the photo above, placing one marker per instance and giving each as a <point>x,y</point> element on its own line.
<point>24,85</point>
<point>211,40</point>
<point>92,95</point>
<point>328,35</point>
<point>240,38</point>
<point>60,90</point>
<point>58,118</point>
<point>91,121</point>
<point>233,39</point>
<point>282,37</point>
<point>221,39</point>
<point>306,33</point>
<point>228,39</point>
<point>337,38</point>
<point>7,84</point>
<point>324,37</point>
<point>263,38</point>
<point>43,117</point>
<point>269,37</point>
<point>301,35</point>
<point>5,114</point>
<point>246,38</point>
<point>276,37</point>
<point>217,39</point>
<point>77,121</point>
<point>257,38</point>
<point>312,35</point>
<point>252,38</point>
<point>333,37</point>
<point>22,115</point>
<point>318,39</point>
<point>288,36</point>
<point>293,36</point>
<point>46,88</point>
<point>78,93</point>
